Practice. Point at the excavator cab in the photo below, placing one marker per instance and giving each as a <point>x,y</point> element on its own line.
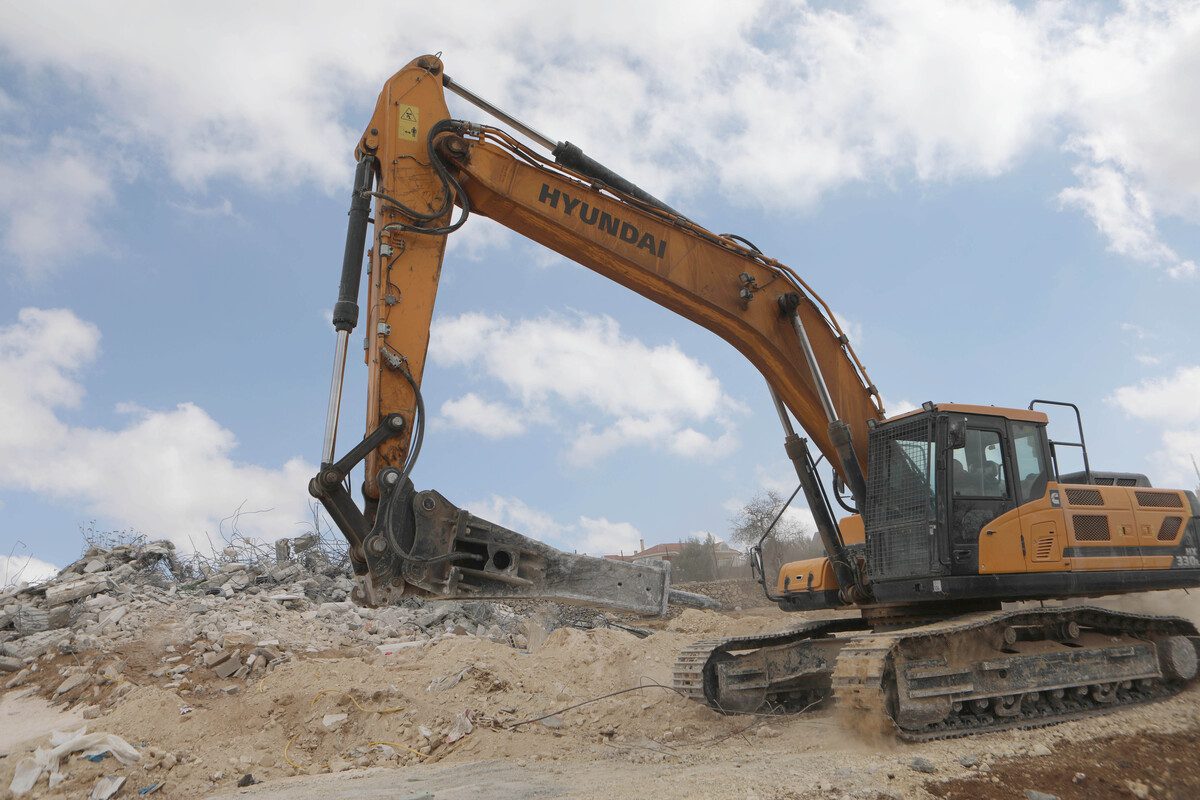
<point>938,475</point>
<point>967,502</point>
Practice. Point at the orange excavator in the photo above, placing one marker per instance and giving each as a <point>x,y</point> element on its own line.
<point>952,510</point>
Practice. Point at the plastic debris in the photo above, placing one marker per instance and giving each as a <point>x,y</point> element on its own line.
<point>461,727</point>
<point>63,743</point>
<point>106,787</point>
<point>151,789</point>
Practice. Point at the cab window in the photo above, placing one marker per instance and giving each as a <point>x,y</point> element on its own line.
<point>979,467</point>
<point>1032,473</point>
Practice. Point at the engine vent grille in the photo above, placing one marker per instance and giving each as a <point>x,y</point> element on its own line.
<point>1085,497</point>
<point>1091,528</point>
<point>1126,481</point>
<point>1169,528</point>
<point>1159,499</point>
<point>1043,549</point>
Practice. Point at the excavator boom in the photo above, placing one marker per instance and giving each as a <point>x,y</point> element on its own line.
<point>719,282</point>
<point>422,168</point>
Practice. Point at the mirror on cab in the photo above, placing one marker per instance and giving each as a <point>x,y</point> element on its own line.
<point>957,433</point>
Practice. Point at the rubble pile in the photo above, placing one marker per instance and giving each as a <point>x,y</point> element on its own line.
<point>240,615</point>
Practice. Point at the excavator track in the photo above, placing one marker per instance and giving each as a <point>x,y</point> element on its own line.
<point>695,673</point>
<point>971,674</point>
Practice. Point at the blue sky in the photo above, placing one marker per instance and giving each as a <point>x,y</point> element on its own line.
<point>1000,201</point>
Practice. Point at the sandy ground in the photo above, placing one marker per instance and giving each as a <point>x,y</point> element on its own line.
<point>445,721</point>
<point>26,718</point>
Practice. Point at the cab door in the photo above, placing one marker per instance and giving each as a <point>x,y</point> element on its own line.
<point>980,489</point>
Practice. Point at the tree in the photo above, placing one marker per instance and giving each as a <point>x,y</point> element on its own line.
<point>697,560</point>
<point>789,540</point>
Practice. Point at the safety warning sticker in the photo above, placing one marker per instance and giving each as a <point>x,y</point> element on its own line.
<point>409,118</point>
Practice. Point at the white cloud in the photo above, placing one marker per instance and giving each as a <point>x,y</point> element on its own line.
<point>16,569</point>
<point>51,194</point>
<point>1173,398</point>
<point>1124,214</point>
<point>472,413</point>
<point>937,91</point>
<point>1170,403</point>
<point>1132,78</point>
<point>598,535</point>
<point>653,396</point>
<point>591,535</point>
<point>900,406</point>
<point>168,473</point>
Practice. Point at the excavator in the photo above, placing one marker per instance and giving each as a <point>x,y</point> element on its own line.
<point>957,520</point>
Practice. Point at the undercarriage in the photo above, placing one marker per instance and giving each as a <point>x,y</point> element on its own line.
<point>963,675</point>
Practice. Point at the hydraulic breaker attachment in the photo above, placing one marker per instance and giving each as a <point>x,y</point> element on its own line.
<point>421,541</point>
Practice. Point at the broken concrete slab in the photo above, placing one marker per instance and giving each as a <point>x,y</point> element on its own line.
<point>73,682</point>
<point>227,667</point>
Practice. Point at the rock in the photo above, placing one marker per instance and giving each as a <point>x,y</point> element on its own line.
<point>337,764</point>
<point>30,619</point>
<point>969,761</point>
<point>100,602</point>
<point>1079,778</point>
<point>1138,789</point>
<point>1039,749</point>
<point>211,659</point>
<point>922,764</point>
<point>60,593</point>
<point>332,722</point>
<point>553,722</point>
<point>113,616</point>
<point>302,543</point>
<point>9,664</point>
<point>1033,794</point>
<point>95,565</point>
<point>73,682</point>
<point>247,779</point>
<point>397,647</point>
<point>227,667</point>
<point>766,732</point>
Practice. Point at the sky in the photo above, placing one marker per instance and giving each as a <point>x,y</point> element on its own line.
<point>1000,201</point>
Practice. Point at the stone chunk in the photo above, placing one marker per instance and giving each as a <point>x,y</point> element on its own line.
<point>211,659</point>
<point>226,668</point>
<point>71,591</point>
<point>9,664</point>
<point>73,682</point>
<point>113,616</point>
<point>921,764</point>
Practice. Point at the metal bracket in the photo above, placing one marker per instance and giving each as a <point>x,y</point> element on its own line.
<point>328,487</point>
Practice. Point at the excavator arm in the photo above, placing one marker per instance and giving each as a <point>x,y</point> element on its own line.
<point>426,173</point>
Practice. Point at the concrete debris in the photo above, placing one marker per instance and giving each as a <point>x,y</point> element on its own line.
<point>461,727</point>
<point>245,612</point>
<point>73,682</point>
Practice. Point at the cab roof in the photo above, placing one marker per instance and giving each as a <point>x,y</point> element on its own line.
<point>1015,414</point>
